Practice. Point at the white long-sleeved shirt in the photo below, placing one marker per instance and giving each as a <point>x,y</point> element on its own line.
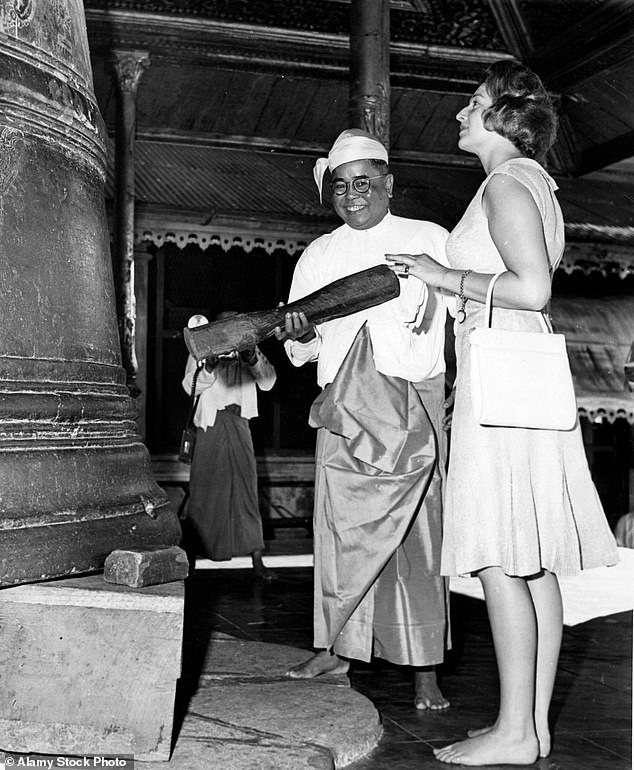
<point>231,381</point>
<point>407,332</point>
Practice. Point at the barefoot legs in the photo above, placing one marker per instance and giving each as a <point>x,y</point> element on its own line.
<point>546,597</point>
<point>512,739</point>
<point>547,602</point>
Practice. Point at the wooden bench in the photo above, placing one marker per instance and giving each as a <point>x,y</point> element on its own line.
<point>285,484</point>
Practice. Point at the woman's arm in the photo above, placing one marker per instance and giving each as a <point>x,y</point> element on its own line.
<point>516,229</point>
<point>515,226</point>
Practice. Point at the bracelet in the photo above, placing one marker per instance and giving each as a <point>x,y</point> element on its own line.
<point>461,315</point>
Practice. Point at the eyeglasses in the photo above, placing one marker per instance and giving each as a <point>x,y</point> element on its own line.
<point>360,184</point>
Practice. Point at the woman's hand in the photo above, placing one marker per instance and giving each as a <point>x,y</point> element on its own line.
<point>421,266</point>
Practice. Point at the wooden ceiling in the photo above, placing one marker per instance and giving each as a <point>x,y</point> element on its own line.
<point>274,73</point>
<point>271,77</point>
<point>241,95</point>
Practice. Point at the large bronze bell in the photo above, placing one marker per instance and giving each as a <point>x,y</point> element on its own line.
<point>75,478</point>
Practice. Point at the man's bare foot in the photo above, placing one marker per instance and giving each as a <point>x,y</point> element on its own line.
<point>324,662</point>
<point>264,573</point>
<point>259,570</point>
<point>543,738</point>
<point>428,695</point>
<point>490,748</point>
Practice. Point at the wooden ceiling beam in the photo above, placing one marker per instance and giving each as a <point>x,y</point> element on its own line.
<point>515,33</point>
<point>606,154</point>
<point>206,42</point>
<point>310,149</point>
<point>597,42</point>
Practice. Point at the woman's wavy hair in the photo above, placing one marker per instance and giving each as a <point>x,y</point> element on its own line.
<point>522,110</point>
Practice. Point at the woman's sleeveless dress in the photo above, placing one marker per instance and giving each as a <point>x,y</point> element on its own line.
<point>517,498</point>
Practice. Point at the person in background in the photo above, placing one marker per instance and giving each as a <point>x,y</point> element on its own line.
<point>380,454</point>
<point>521,507</point>
<point>223,509</point>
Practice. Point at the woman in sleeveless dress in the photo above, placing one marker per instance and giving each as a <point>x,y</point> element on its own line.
<point>521,507</point>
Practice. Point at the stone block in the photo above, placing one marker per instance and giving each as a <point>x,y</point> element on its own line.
<point>89,667</point>
<point>139,567</point>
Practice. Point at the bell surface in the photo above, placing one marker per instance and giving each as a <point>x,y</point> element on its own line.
<point>75,477</point>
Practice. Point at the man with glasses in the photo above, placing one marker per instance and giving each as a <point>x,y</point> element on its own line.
<point>380,454</point>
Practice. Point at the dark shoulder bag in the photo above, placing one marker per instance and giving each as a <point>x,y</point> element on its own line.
<point>188,437</point>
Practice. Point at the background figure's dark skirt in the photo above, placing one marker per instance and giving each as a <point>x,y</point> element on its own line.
<point>223,506</point>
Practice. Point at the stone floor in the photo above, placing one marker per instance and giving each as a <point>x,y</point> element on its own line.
<point>592,708</point>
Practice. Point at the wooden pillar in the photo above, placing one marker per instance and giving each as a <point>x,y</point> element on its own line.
<point>369,105</point>
<point>128,66</point>
<point>142,259</point>
<point>629,383</point>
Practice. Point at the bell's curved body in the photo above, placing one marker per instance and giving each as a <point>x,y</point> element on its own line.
<point>75,478</point>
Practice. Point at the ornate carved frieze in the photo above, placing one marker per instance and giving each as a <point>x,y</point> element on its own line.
<point>605,258</point>
<point>248,241</point>
<point>461,23</point>
<point>129,66</point>
<point>607,408</point>
<point>15,14</point>
<point>12,149</point>
<point>21,19</point>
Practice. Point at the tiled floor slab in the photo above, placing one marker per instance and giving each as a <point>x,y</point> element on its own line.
<point>592,705</point>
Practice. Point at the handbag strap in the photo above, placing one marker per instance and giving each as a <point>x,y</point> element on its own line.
<point>193,399</point>
<point>488,307</point>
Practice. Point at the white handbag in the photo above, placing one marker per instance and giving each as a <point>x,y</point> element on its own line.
<point>521,379</point>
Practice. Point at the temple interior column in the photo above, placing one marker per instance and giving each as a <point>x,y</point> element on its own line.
<point>142,258</point>
<point>369,101</point>
<point>127,67</point>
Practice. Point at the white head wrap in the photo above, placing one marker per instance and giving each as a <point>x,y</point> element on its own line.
<point>351,144</point>
<point>196,320</point>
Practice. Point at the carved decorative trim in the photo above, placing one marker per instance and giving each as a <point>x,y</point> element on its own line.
<point>12,150</point>
<point>226,44</point>
<point>609,408</point>
<point>129,66</point>
<point>605,258</point>
<point>608,259</point>
<point>460,23</point>
<point>247,241</point>
<point>15,14</point>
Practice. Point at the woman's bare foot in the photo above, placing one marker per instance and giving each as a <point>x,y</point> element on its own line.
<point>324,662</point>
<point>478,731</point>
<point>543,738</point>
<point>428,695</point>
<point>490,748</point>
